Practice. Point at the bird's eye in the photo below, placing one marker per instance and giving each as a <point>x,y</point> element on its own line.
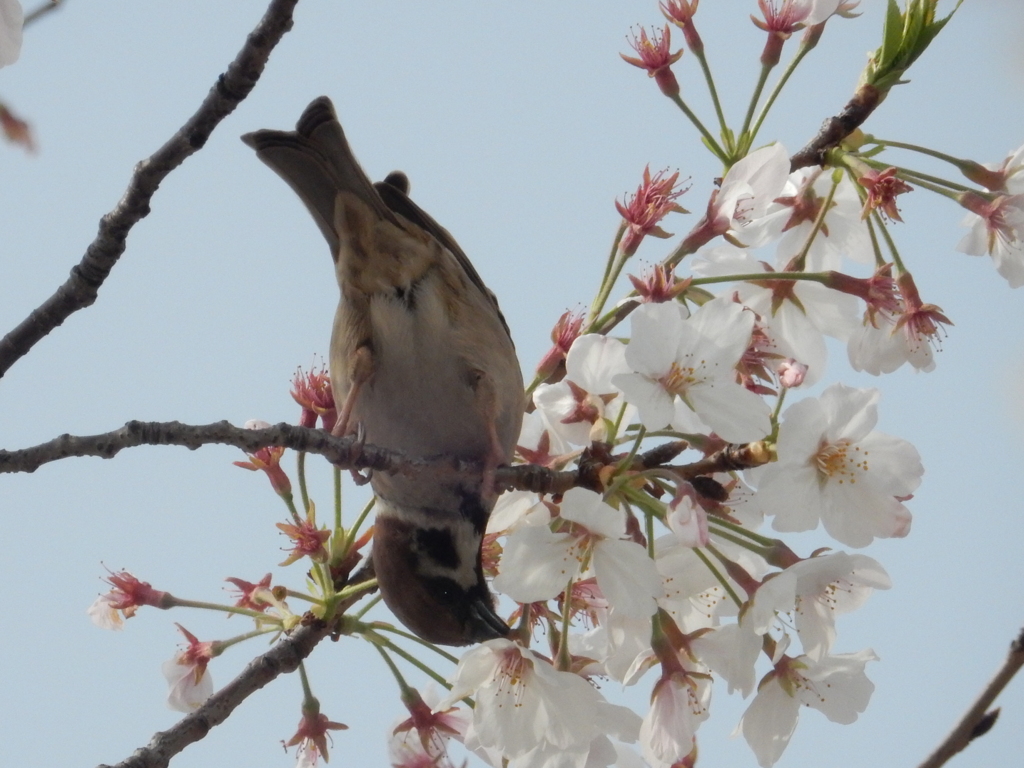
<point>446,591</point>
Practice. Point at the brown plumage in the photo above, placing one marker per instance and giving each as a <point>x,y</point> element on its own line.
<point>422,360</point>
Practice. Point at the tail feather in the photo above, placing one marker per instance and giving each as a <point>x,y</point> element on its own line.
<point>317,162</point>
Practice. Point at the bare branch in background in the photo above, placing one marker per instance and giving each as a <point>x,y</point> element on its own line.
<point>42,10</point>
<point>978,720</point>
<point>81,288</point>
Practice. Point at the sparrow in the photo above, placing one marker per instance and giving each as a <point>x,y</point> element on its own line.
<point>422,362</point>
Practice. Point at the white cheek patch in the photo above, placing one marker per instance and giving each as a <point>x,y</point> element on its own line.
<point>449,550</point>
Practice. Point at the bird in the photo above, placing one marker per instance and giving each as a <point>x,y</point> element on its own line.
<point>422,362</point>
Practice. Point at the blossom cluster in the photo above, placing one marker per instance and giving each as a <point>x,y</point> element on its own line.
<point>699,404</point>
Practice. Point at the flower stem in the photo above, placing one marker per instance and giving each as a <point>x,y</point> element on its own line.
<point>815,277</point>
<point>177,602</point>
<point>383,627</point>
<point>289,502</point>
<point>337,499</point>
<point>402,684</point>
<point>800,259</point>
<point>303,596</point>
<point>300,466</point>
<point>377,639</point>
<point>366,608</point>
<point>754,98</point>
<point>802,51</point>
<point>564,661</point>
<point>355,589</point>
<point>763,541</point>
<point>225,644</point>
<point>307,692</point>
<point>890,244</point>
<point>719,576</point>
<point>714,94</point>
<point>607,282</point>
<point>709,140</point>
<point>958,162</point>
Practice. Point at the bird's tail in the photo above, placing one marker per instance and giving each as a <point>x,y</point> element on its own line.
<point>317,162</point>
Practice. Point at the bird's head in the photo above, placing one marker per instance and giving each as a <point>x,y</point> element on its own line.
<point>430,576</point>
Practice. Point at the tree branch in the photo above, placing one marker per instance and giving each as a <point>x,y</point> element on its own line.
<point>349,453</point>
<point>48,7</point>
<point>835,129</point>
<point>978,719</point>
<point>82,286</point>
<point>283,658</point>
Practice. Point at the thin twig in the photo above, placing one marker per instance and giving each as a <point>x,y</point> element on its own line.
<point>41,11</point>
<point>81,288</point>
<point>979,719</point>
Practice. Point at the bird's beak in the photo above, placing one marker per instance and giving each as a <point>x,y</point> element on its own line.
<point>484,623</point>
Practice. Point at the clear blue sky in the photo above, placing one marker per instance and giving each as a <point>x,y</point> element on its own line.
<point>518,125</point>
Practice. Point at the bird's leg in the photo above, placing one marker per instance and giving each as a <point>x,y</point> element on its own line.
<point>487,407</point>
<point>361,365</point>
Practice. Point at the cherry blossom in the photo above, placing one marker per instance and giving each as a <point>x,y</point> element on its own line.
<point>730,651</point>
<point>313,392</point>
<point>834,685</point>
<point>815,591</point>
<point>679,704</point>
<point>575,410</point>
<point>890,337</point>
<point>307,540</point>
<point>790,219</point>
<point>190,682</point>
<point>685,371</point>
<point>614,643</point>
<point>11,20</point>
<point>267,459</point>
<point>691,593</point>
<point>834,468</point>
<point>795,314</point>
<point>1007,176</point>
<point>828,586</point>
<point>997,228</point>
<point>312,735</point>
<point>747,189</point>
<point>515,508</point>
<point>658,284</point>
<point>124,600</point>
<point>680,13</point>
<point>536,444</point>
<point>883,187</point>
<point>405,752</point>
<point>431,728</point>
<point>791,373</point>
<point>254,597</point>
<point>792,15</point>
<point>655,198</point>
<point>523,704</point>
<point>688,521</point>
<point>538,563</point>
<point>565,332</point>
<point>655,56</point>
<point>620,722</point>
